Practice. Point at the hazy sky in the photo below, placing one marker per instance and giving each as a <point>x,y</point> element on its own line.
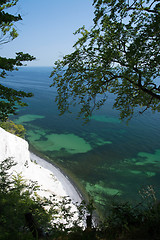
<point>47,28</point>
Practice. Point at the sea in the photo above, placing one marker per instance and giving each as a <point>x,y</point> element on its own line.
<point>107,159</point>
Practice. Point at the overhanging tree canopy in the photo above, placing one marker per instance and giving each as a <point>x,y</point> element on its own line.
<point>10,98</point>
<point>119,55</point>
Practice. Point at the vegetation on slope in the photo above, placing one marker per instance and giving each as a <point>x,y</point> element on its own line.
<point>16,129</point>
<point>26,216</point>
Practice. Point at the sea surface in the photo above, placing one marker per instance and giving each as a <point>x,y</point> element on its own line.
<point>106,158</point>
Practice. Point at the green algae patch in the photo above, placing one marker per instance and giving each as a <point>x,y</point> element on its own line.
<point>150,174</point>
<point>27,118</point>
<point>100,188</point>
<point>99,200</point>
<point>59,142</point>
<point>101,142</point>
<point>35,135</point>
<point>135,172</point>
<point>113,191</point>
<point>95,140</point>
<point>102,118</point>
<point>145,158</point>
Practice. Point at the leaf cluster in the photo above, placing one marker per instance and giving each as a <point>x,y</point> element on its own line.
<point>119,55</point>
<point>8,31</point>
<point>126,221</point>
<point>10,99</point>
<point>15,201</point>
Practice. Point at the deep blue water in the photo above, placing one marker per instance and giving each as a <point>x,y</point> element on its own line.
<point>106,158</point>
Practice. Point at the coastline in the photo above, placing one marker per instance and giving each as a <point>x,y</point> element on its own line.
<point>70,188</point>
<point>77,187</point>
<point>49,178</point>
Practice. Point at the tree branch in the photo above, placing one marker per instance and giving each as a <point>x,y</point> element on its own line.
<point>141,112</point>
<point>142,88</point>
<point>143,9</point>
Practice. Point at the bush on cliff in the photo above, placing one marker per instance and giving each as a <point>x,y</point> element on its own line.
<point>16,129</point>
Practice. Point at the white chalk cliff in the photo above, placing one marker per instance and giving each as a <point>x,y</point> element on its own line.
<point>51,180</point>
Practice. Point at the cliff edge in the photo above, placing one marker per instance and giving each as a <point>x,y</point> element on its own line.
<point>16,148</point>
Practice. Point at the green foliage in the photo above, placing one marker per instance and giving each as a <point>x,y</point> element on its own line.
<point>19,198</point>
<point>10,98</point>
<point>119,55</point>
<point>16,129</point>
<point>8,32</point>
<point>54,218</point>
<point>126,221</point>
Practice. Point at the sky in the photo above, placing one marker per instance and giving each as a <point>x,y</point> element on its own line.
<point>47,28</point>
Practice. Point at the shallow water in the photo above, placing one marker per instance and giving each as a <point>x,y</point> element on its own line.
<point>106,158</point>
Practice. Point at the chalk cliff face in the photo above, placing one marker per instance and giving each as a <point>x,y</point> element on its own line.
<point>17,148</point>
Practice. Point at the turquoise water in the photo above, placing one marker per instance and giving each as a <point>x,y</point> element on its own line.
<point>106,158</point>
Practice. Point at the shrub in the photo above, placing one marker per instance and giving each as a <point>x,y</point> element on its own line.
<point>13,128</point>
